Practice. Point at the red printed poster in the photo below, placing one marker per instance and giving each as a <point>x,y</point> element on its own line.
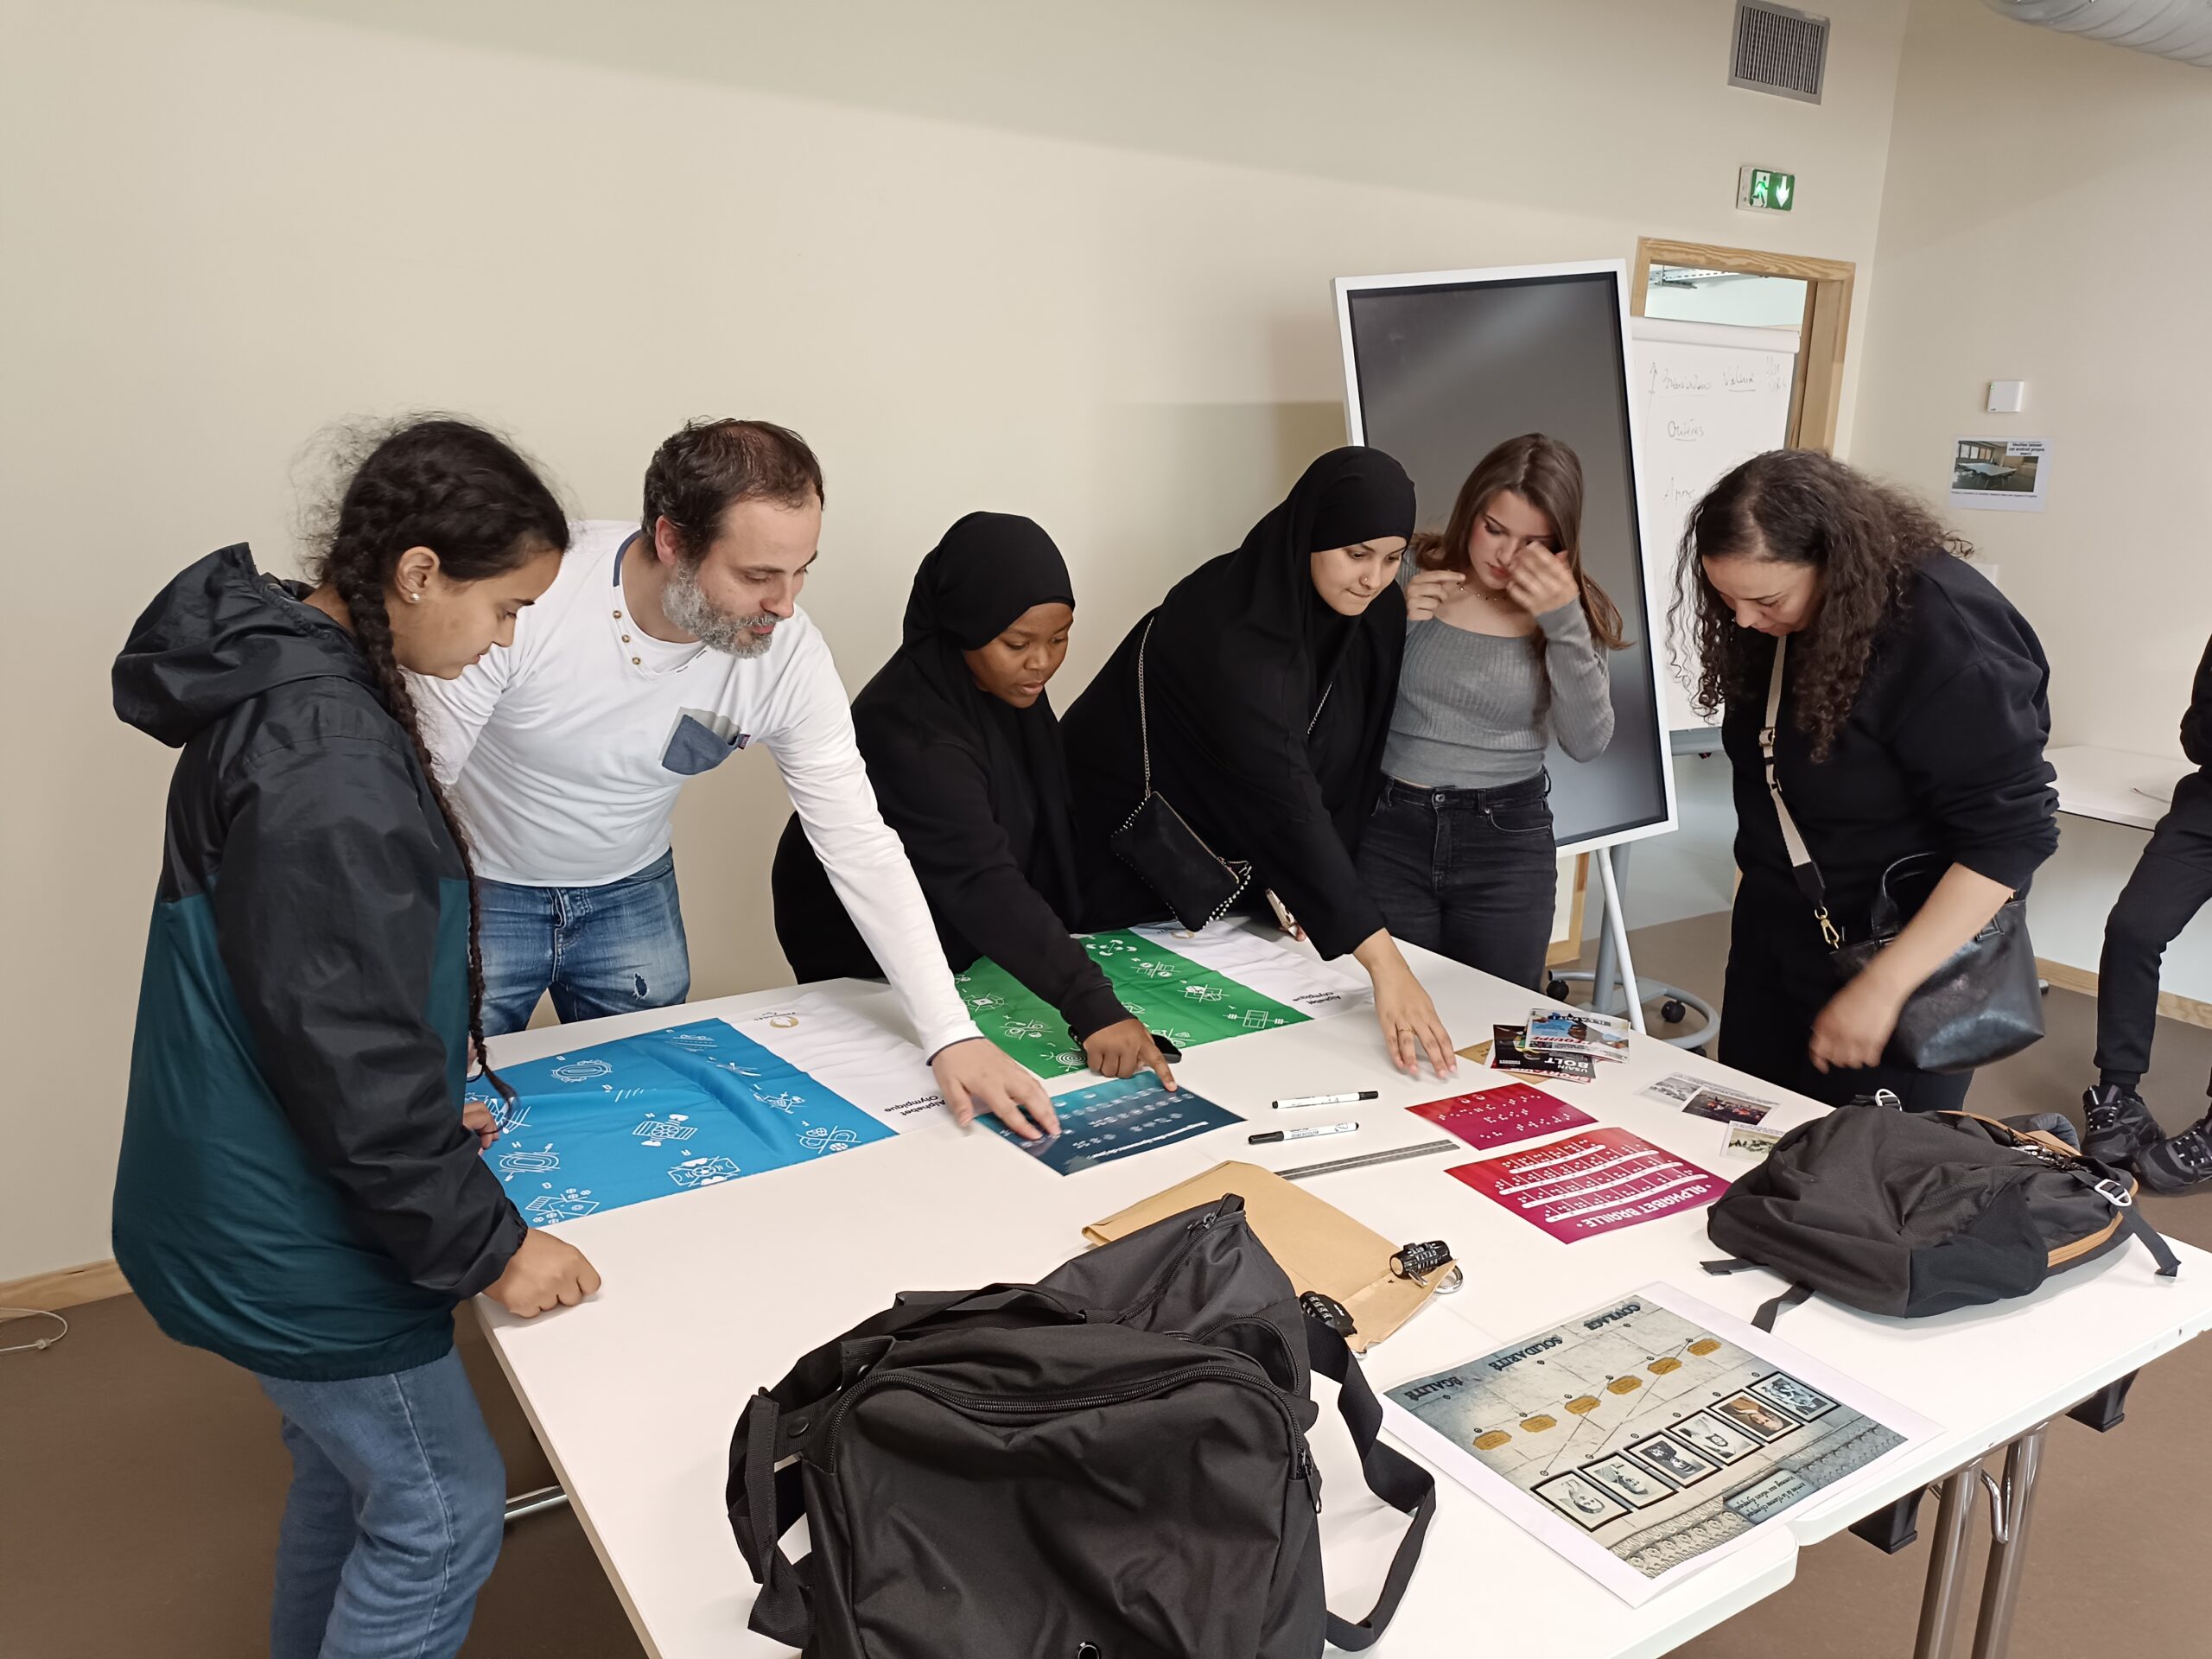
<point>1593,1183</point>
<point>1499,1117</point>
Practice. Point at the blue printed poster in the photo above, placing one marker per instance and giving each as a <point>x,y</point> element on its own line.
<point>1117,1120</point>
<point>671,1111</point>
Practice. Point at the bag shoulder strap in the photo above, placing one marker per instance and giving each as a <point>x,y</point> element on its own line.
<point>1144,725</point>
<point>1390,1475</point>
<point>1807,873</point>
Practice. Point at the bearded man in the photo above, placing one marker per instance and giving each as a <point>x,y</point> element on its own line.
<point>663,648</point>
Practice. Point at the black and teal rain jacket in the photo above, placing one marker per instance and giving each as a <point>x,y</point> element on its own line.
<point>296,1192</point>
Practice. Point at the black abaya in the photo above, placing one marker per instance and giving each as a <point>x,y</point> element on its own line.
<point>1267,709</point>
<point>977,789</point>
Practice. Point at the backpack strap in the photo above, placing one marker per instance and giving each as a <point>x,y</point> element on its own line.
<point>1390,1475</point>
<point>1775,1306</point>
<point>766,1503</point>
<point>2121,1196</point>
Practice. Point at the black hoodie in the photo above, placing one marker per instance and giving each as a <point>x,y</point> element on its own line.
<point>296,1191</point>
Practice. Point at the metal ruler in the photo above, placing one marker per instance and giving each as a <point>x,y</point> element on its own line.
<point>1300,1172</point>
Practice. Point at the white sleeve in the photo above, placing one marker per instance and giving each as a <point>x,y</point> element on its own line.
<point>809,733</point>
<point>453,712</point>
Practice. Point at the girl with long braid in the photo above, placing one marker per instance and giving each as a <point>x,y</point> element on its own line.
<point>301,1191</point>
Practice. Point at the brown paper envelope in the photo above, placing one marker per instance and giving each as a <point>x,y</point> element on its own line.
<point>1320,1247</point>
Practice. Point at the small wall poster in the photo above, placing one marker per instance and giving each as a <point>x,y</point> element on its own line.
<point>2000,474</point>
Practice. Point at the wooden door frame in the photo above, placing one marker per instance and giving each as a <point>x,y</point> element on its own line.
<point>1816,394</point>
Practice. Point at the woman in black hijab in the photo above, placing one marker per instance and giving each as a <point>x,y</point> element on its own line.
<point>965,756</point>
<point>1270,675</point>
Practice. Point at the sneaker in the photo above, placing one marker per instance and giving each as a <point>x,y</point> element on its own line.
<point>2178,1163</point>
<point>2120,1126</point>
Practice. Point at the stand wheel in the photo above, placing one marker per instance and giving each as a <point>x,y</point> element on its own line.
<point>1557,990</point>
<point>1673,1011</point>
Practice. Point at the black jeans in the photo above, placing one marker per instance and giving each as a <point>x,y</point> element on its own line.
<point>1780,978</point>
<point>1471,873</point>
<point>2171,883</point>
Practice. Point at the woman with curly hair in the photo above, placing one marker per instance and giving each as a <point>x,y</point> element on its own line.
<point>1912,721</point>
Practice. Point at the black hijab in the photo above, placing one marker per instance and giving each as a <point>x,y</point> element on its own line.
<point>1267,709</point>
<point>989,569</point>
<point>1249,636</point>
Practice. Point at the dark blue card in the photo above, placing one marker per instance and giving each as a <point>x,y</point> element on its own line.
<point>1119,1120</point>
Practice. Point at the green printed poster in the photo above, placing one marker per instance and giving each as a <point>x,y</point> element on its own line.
<point>1174,996</point>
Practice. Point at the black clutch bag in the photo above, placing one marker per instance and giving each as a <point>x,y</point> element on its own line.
<point>1984,1003</point>
<point>1195,882</point>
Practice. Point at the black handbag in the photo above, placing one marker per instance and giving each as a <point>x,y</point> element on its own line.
<point>1195,882</point>
<point>1984,1002</point>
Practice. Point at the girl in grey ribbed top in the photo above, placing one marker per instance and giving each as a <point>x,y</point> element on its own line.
<point>1476,710</point>
<point>1505,648</point>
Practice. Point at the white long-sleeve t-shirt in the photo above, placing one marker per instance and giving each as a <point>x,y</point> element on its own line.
<point>565,753</point>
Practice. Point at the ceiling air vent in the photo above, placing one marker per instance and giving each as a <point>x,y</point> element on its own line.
<point>1778,50</point>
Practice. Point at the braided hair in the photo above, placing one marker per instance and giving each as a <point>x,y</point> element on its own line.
<point>462,492</point>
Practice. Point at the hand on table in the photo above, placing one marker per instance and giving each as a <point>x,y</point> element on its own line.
<point>1427,593</point>
<point>974,1077</point>
<point>1542,580</point>
<point>1123,1049</point>
<point>477,1117</point>
<point>1855,1027</point>
<point>1410,1025</point>
<point>544,1272</point>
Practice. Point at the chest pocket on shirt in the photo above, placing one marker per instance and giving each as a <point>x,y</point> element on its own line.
<point>700,743</point>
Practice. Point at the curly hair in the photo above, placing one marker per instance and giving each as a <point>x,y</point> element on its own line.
<point>1865,537</point>
<point>451,487</point>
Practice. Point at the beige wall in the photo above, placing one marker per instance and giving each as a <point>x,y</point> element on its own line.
<point>2045,219</point>
<point>1067,260</point>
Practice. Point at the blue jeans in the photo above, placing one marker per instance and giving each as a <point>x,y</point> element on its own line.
<point>1471,873</point>
<point>607,949</point>
<point>394,1516</point>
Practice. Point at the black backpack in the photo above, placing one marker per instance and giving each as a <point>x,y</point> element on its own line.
<point>1109,1465</point>
<point>1918,1213</point>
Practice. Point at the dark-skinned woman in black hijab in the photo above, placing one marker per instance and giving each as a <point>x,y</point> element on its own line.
<point>1270,678</point>
<point>965,756</point>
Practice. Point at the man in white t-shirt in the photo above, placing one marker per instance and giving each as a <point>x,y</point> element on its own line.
<point>657,654</point>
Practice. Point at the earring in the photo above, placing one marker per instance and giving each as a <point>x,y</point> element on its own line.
<point>414,599</point>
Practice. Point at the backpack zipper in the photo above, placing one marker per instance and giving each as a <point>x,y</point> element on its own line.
<point>1050,1404</point>
<point>1194,1235</point>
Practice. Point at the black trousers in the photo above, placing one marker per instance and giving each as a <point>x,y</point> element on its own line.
<point>1779,979</point>
<point>2171,884</point>
<point>1471,873</point>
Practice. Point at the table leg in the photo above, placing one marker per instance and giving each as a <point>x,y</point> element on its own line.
<point>546,1497</point>
<point>2014,1503</point>
<point>1946,1561</point>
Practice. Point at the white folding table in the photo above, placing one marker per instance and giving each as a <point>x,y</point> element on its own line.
<point>710,1294</point>
<point>2116,785</point>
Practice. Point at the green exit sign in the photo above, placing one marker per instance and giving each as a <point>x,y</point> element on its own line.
<point>1767,191</point>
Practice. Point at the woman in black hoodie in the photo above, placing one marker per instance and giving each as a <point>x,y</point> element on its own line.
<point>967,763</point>
<point>300,1190</point>
<point>1267,677</point>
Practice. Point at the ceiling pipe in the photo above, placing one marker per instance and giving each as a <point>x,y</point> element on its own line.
<point>2181,29</point>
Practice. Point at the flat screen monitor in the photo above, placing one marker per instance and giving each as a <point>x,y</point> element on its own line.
<point>1439,368</point>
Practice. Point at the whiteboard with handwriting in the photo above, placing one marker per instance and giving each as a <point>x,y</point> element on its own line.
<point>1710,396</point>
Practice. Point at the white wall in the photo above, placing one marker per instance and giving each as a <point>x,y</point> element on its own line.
<point>1071,261</point>
<point>2045,220</point>
<point>1747,301</point>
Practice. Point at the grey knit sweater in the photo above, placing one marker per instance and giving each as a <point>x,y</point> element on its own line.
<point>1476,710</point>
